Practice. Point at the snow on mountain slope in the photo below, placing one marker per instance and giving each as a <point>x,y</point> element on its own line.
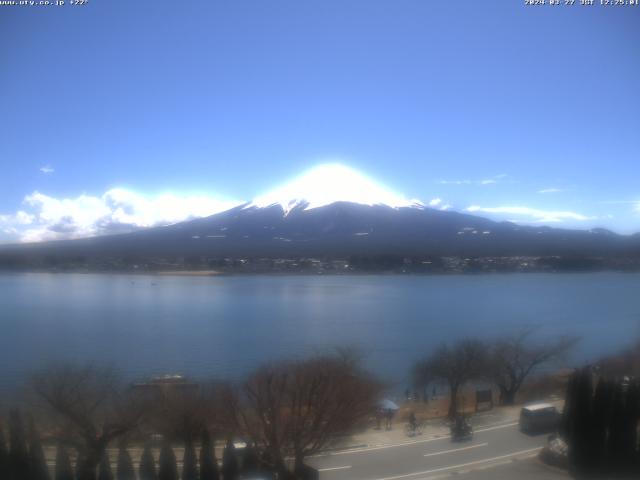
<point>329,183</point>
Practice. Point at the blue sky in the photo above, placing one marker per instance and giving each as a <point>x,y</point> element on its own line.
<point>509,111</point>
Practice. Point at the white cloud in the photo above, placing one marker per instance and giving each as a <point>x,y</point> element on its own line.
<point>455,182</point>
<point>487,181</point>
<point>532,214</point>
<point>550,190</point>
<point>19,218</point>
<point>439,204</point>
<point>47,169</point>
<point>117,210</point>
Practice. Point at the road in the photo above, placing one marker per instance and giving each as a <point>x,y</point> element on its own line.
<point>430,457</point>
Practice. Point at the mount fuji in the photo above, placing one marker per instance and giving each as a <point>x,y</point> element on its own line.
<point>331,212</point>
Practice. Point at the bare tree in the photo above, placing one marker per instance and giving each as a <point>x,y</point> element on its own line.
<point>456,365</point>
<point>294,409</point>
<point>512,359</point>
<point>88,408</point>
<point>183,413</point>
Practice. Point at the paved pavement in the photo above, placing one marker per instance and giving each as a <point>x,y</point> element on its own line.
<point>520,469</point>
<point>435,428</point>
<point>436,457</point>
<point>498,451</point>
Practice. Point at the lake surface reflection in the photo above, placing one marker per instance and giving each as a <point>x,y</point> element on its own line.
<point>224,326</point>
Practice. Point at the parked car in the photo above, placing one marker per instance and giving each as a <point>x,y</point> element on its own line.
<point>539,418</point>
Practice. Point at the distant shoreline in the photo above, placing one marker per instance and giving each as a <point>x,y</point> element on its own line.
<point>279,273</point>
<point>205,266</point>
<point>189,273</point>
<point>377,264</point>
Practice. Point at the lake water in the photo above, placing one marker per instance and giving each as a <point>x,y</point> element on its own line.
<point>225,326</point>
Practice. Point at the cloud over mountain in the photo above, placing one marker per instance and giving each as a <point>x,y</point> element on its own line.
<point>535,215</point>
<point>118,210</point>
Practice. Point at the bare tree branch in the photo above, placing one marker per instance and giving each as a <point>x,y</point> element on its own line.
<point>513,359</point>
<point>456,365</point>
<point>88,408</point>
<point>298,408</point>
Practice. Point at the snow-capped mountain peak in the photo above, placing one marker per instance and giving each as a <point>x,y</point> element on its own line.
<point>329,183</point>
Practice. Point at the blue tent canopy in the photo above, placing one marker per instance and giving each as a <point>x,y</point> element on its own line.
<point>387,404</point>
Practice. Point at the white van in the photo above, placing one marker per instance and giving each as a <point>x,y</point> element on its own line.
<point>539,418</point>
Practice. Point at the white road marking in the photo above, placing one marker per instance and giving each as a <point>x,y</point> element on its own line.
<point>334,468</point>
<point>496,427</point>
<point>404,444</point>
<point>469,470</point>
<point>456,450</point>
<point>451,467</point>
